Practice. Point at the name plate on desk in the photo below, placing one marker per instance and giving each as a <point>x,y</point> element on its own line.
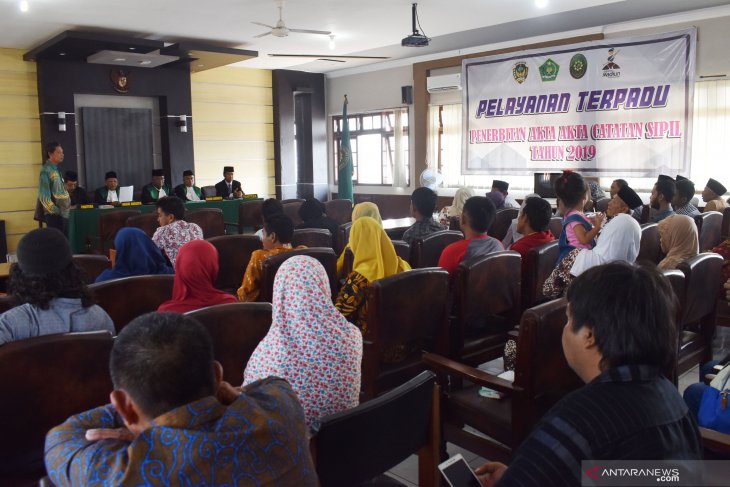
<point>132,203</point>
<point>86,207</point>
<point>214,198</point>
<point>250,196</point>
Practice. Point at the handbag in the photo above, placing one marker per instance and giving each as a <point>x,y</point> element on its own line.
<point>714,412</point>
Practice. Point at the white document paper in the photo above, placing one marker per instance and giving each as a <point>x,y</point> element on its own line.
<point>126,193</point>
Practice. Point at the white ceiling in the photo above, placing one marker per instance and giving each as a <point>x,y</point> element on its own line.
<point>361,27</point>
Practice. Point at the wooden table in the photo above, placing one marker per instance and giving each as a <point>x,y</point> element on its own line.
<point>4,270</point>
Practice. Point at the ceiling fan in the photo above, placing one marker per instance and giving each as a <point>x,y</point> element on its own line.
<point>281,30</point>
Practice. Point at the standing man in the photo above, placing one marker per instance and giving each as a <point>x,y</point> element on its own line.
<point>77,193</point>
<point>51,192</point>
<point>155,190</point>
<point>109,193</point>
<point>502,187</point>
<point>188,191</point>
<point>229,188</point>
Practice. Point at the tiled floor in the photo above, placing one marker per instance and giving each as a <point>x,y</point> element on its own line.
<point>407,472</point>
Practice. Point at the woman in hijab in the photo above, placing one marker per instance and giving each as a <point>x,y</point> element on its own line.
<point>457,206</point>
<point>310,344</point>
<point>619,240</point>
<point>361,209</point>
<point>196,269</point>
<point>678,239</point>
<point>137,255</point>
<point>497,198</point>
<point>374,258</point>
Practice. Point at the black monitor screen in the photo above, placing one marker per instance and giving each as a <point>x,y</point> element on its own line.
<point>545,184</point>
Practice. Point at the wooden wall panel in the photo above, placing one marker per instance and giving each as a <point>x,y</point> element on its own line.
<point>233,126</point>
<point>20,148</point>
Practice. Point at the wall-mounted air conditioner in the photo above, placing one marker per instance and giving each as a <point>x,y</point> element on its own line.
<point>446,82</point>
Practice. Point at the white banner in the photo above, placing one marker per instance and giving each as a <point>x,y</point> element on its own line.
<point>621,108</point>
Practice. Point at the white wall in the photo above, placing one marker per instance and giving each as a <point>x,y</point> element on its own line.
<point>381,88</point>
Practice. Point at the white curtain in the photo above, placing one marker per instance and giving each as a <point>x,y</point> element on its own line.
<point>400,178</point>
<point>451,145</point>
<point>710,132</point>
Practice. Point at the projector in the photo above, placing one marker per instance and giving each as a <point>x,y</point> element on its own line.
<point>415,40</point>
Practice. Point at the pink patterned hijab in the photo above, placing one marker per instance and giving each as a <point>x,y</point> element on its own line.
<point>310,343</point>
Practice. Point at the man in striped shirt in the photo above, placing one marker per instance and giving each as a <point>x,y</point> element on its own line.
<point>682,201</point>
<point>620,339</point>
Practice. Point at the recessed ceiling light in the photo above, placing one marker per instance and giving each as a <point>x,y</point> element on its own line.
<point>23,6</point>
<point>145,61</point>
<point>332,41</point>
<point>132,48</point>
<point>541,3</point>
<point>61,53</point>
<point>120,59</point>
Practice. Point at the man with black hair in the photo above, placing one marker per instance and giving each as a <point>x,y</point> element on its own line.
<point>76,193</point>
<point>174,231</point>
<point>52,193</point>
<point>682,198</point>
<point>187,191</point>
<point>476,218</point>
<point>49,291</point>
<point>278,232</point>
<point>423,205</point>
<point>157,189</point>
<point>172,420</point>
<point>503,187</point>
<point>662,195</point>
<point>620,339</point>
<point>229,188</point>
<point>712,196</point>
<point>313,215</point>
<point>109,193</point>
<point>532,223</point>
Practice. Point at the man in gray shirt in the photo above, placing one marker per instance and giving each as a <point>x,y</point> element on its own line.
<point>49,291</point>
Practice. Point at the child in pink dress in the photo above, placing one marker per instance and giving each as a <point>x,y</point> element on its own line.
<point>578,231</point>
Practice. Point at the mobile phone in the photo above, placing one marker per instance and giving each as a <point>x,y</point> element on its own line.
<point>458,473</point>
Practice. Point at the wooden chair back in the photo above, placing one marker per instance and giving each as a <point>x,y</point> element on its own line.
<point>426,251</point>
<point>91,266</point>
<point>342,237</point>
<point>725,224</point>
<point>402,249</point>
<point>502,222</point>
<point>312,237</point>
<point>236,330</point>
<point>650,247</point>
<point>647,213</point>
<point>109,224</point>
<point>325,255</point>
<point>147,222</point>
<point>407,309</point>
<point>44,380</point>
<point>127,298</point>
<point>709,229</point>
<point>210,220</point>
<point>556,226</point>
<point>291,209</point>
<point>486,306</point>
<point>388,429</point>
<point>249,216</point>
<point>536,268</point>
<point>677,281</point>
<point>339,210</point>
<point>234,252</point>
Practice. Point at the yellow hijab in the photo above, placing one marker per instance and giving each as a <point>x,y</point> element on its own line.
<point>367,209</point>
<point>374,254</point>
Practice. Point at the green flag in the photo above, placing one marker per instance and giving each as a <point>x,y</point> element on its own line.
<point>344,166</point>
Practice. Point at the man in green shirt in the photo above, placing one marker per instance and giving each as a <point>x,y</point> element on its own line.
<point>156,189</point>
<point>51,191</point>
<point>188,191</point>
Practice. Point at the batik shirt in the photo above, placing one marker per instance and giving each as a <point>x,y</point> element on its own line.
<point>52,192</point>
<point>688,210</point>
<point>422,228</point>
<point>260,439</point>
<point>171,237</point>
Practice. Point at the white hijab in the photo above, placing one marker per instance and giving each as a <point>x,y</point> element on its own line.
<point>619,240</point>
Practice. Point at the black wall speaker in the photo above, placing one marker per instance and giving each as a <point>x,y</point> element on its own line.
<point>406,93</point>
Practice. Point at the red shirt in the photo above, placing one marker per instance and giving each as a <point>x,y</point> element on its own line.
<point>480,245</point>
<point>524,244</point>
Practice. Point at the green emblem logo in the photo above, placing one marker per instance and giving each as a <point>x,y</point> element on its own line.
<point>549,70</point>
<point>578,66</point>
<point>519,71</point>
